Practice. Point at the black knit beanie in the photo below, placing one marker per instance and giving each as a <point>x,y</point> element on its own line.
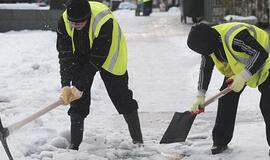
<point>203,39</point>
<point>78,10</point>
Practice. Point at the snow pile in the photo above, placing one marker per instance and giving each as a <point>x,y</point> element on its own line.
<point>248,19</point>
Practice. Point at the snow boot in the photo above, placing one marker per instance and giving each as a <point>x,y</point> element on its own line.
<point>134,128</point>
<point>76,131</point>
<point>216,149</point>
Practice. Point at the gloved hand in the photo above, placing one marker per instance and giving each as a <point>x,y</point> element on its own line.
<point>196,105</point>
<point>69,94</point>
<point>238,82</point>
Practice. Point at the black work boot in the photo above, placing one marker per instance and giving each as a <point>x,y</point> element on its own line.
<point>76,131</point>
<point>134,128</point>
<point>216,149</point>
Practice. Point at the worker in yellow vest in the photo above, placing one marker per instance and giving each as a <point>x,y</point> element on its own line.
<point>240,52</point>
<point>147,7</point>
<point>144,6</point>
<point>90,40</point>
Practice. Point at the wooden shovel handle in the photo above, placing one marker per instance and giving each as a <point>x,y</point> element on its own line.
<point>215,97</point>
<point>34,116</point>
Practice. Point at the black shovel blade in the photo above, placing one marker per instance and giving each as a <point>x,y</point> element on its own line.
<point>179,127</point>
<point>3,137</point>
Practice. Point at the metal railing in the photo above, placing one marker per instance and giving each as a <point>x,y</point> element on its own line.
<point>215,10</point>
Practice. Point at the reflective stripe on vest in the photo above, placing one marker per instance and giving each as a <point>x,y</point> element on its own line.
<point>116,61</point>
<point>97,19</point>
<point>116,53</point>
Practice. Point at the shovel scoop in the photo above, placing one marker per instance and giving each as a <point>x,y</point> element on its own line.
<point>181,123</point>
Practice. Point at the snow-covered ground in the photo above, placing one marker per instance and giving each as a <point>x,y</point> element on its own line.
<point>163,75</point>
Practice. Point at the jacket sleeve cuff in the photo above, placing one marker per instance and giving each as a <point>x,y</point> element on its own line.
<point>246,74</point>
<point>201,93</point>
<point>65,84</point>
<point>79,86</point>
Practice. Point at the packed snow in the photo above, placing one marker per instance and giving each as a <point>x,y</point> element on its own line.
<point>163,75</point>
<point>234,18</point>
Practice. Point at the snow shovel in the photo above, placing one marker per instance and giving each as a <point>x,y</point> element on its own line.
<point>5,132</point>
<point>181,123</point>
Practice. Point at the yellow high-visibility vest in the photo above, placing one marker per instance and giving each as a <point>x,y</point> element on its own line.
<point>116,62</point>
<point>238,60</point>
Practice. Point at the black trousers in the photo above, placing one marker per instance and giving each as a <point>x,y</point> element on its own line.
<point>227,108</point>
<point>116,86</point>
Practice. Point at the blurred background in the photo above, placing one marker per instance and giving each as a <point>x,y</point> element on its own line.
<point>46,12</point>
